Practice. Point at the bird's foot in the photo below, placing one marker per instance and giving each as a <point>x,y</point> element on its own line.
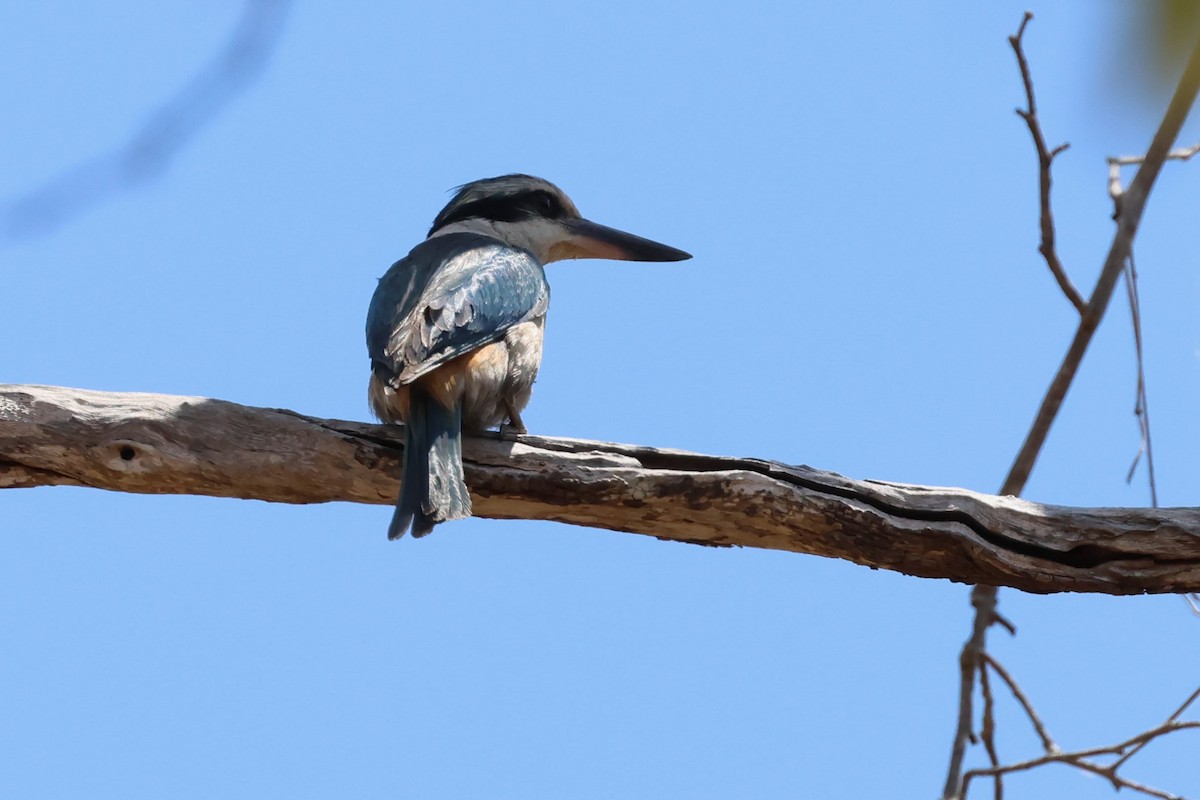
<point>510,431</point>
<point>515,426</point>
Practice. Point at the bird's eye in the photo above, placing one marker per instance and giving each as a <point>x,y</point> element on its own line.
<point>545,205</point>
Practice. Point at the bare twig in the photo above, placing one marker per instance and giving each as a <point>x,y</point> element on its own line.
<point>984,598</point>
<point>1134,203</point>
<point>1004,622</point>
<point>1141,407</point>
<point>1174,716</point>
<point>1126,783</point>
<point>1046,157</point>
<point>1082,759</point>
<point>1048,743</point>
<point>987,732</point>
<point>1115,190</point>
<point>162,136</point>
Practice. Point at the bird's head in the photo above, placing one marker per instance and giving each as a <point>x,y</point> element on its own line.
<point>528,212</point>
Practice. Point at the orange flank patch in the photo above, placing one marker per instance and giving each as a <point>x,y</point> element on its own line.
<point>447,383</point>
<point>489,359</point>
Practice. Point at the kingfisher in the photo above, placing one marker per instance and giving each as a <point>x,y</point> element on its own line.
<point>454,329</point>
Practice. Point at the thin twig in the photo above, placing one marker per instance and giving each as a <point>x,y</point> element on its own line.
<point>1133,205</point>
<point>1004,622</point>
<point>1115,191</point>
<point>1046,157</point>
<point>1125,783</point>
<point>1081,760</point>
<point>1048,743</point>
<point>1178,154</point>
<point>1141,407</point>
<point>987,730</point>
<point>1174,716</point>
<point>984,598</point>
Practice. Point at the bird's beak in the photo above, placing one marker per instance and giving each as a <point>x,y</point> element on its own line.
<point>588,239</point>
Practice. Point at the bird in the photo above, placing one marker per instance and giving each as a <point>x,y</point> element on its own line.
<point>454,329</point>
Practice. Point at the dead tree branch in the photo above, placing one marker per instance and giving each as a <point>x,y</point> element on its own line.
<point>163,444</point>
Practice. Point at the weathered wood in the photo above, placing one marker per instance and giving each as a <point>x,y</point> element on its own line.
<point>163,444</point>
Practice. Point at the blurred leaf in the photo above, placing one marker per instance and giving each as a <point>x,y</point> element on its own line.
<point>1168,31</point>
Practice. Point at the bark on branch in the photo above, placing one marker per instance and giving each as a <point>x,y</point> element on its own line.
<point>163,444</point>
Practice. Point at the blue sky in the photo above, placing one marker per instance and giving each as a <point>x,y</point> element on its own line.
<point>865,296</point>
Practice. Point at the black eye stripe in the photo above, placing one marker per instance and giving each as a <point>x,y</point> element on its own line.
<point>512,208</point>
<point>545,204</point>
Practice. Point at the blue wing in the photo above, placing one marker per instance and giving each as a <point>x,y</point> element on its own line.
<point>452,294</point>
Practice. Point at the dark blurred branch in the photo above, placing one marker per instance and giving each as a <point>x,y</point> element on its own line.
<point>162,136</point>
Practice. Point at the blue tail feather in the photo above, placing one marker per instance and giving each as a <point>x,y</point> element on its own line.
<point>432,488</point>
